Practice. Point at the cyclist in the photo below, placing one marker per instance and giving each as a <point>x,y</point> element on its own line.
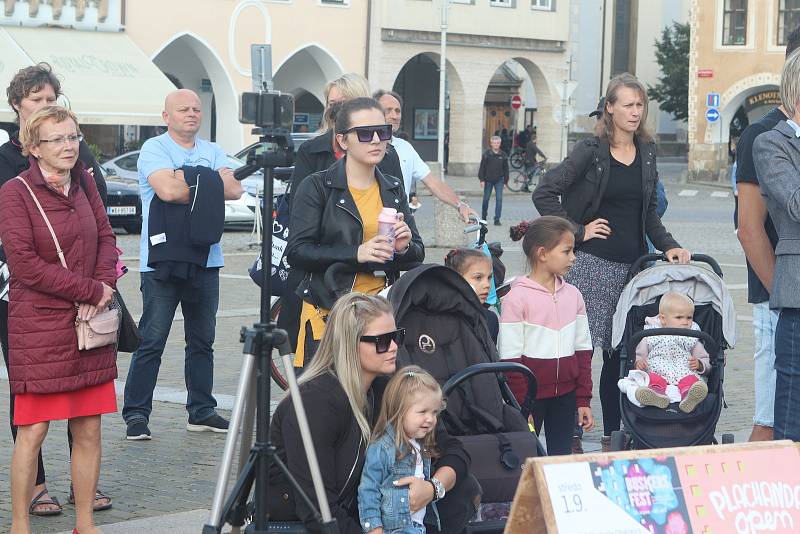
<point>531,152</point>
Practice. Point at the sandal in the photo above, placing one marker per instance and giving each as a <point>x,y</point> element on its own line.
<point>99,496</point>
<point>40,500</point>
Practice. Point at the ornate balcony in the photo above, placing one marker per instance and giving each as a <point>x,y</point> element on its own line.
<point>96,15</point>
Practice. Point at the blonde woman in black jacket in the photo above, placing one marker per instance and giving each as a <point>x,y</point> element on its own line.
<point>607,188</point>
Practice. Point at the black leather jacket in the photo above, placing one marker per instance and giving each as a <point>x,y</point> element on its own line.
<point>327,231</point>
<point>581,179</point>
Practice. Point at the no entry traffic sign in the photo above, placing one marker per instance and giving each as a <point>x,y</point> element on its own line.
<point>516,101</point>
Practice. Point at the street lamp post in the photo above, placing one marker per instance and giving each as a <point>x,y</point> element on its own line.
<point>442,86</point>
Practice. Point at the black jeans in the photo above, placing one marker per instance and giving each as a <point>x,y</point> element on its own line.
<point>557,414</point>
<point>40,475</point>
<point>609,392</point>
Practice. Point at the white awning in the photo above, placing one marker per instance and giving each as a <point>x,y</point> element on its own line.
<point>105,77</point>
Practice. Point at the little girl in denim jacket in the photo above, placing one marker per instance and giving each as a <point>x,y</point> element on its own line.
<point>402,445</point>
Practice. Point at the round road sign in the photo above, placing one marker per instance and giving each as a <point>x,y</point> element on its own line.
<point>712,115</point>
<point>516,101</point>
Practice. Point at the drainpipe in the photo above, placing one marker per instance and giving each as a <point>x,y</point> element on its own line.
<point>369,31</point>
<point>603,52</point>
<point>442,85</point>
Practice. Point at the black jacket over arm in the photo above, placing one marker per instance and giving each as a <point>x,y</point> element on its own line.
<point>340,452</point>
<point>580,181</point>
<point>12,163</point>
<point>326,231</point>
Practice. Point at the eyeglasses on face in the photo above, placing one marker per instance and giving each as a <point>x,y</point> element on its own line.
<point>63,140</point>
<point>384,341</point>
<point>367,133</point>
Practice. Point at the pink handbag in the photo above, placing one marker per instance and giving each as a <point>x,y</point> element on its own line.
<point>103,328</point>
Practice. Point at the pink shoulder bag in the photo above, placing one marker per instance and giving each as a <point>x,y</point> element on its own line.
<point>103,328</point>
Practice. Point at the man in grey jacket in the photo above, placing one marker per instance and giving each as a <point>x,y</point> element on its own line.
<point>777,162</point>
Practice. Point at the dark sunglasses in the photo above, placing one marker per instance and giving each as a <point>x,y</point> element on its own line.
<point>384,341</point>
<point>367,133</point>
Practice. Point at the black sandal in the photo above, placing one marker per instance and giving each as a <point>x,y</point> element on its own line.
<point>39,501</point>
<point>98,496</point>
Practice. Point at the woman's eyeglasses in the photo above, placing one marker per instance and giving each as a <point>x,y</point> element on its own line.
<point>384,341</point>
<point>59,141</point>
<point>367,133</point>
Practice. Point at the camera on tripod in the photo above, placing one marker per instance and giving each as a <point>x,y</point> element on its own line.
<point>272,112</point>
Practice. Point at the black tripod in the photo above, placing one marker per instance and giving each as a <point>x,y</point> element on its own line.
<point>259,342</point>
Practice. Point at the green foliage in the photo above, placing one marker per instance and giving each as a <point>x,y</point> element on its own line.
<point>672,55</point>
<point>96,152</point>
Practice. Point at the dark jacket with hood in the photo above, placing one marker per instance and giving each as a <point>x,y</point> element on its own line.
<point>340,451</point>
<point>581,180</point>
<point>326,231</point>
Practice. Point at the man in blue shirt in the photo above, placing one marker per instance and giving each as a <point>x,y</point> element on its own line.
<point>160,162</point>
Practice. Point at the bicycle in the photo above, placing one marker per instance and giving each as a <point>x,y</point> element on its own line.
<point>522,180</point>
<point>517,157</point>
<point>276,370</point>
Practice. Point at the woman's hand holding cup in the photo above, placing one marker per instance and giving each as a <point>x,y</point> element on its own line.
<point>402,234</point>
<point>377,250</point>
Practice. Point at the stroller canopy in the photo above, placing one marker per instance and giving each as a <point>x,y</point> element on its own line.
<point>696,281</point>
<point>441,290</point>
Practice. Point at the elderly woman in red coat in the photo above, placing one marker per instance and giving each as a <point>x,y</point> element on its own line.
<point>51,378</point>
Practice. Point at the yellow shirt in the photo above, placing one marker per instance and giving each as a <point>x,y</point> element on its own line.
<point>369,204</point>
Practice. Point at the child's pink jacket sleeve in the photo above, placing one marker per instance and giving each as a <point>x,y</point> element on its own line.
<point>699,352</point>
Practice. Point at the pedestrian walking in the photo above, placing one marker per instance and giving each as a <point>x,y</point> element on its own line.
<point>195,285</point>
<point>413,168</point>
<point>758,237</point>
<point>62,253</point>
<point>777,162</point>
<point>31,89</point>
<point>606,186</point>
<point>493,174</point>
<point>335,238</point>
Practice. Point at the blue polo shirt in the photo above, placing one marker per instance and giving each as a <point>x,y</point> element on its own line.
<point>163,152</point>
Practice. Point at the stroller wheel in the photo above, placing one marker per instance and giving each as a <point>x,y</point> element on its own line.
<point>727,438</point>
<point>618,440</point>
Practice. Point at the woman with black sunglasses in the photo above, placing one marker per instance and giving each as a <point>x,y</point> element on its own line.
<point>342,388</point>
<point>334,238</point>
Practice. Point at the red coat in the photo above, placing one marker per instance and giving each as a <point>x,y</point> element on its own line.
<point>43,348</point>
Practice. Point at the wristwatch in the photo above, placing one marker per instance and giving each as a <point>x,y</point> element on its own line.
<point>438,488</point>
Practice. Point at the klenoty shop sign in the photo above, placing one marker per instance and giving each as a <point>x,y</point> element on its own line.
<point>92,64</point>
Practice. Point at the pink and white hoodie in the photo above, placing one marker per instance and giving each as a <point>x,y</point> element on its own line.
<point>549,334</point>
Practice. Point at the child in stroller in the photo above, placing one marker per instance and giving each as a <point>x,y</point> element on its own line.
<point>476,268</point>
<point>647,427</point>
<point>669,360</point>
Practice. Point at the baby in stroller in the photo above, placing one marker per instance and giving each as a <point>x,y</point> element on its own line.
<point>672,360</point>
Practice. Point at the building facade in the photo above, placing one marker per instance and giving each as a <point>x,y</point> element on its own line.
<point>623,42</point>
<point>483,36</point>
<point>737,53</point>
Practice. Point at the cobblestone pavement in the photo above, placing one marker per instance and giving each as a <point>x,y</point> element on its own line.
<point>176,471</point>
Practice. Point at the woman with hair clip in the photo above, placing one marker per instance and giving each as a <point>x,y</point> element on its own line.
<point>344,384</point>
<point>334,238</point>
<point>607,187</point>
<point>317,155</point>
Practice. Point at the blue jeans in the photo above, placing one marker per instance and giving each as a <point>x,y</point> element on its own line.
<point>765,322</point>
<point>413,528</point>
<point>787,367</point>
<point>498,198</point>
<point>160,300</point>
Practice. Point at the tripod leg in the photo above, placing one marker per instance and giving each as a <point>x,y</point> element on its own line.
<point>242,395</point>
<point>246,441</point>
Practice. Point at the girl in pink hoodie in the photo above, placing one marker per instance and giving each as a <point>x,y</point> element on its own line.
<point>543,325</point>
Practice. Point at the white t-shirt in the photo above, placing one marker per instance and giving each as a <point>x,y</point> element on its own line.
<point>414,169</point>
<point>419,472</point>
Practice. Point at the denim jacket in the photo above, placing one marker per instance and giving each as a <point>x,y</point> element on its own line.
<point>380,502</point>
